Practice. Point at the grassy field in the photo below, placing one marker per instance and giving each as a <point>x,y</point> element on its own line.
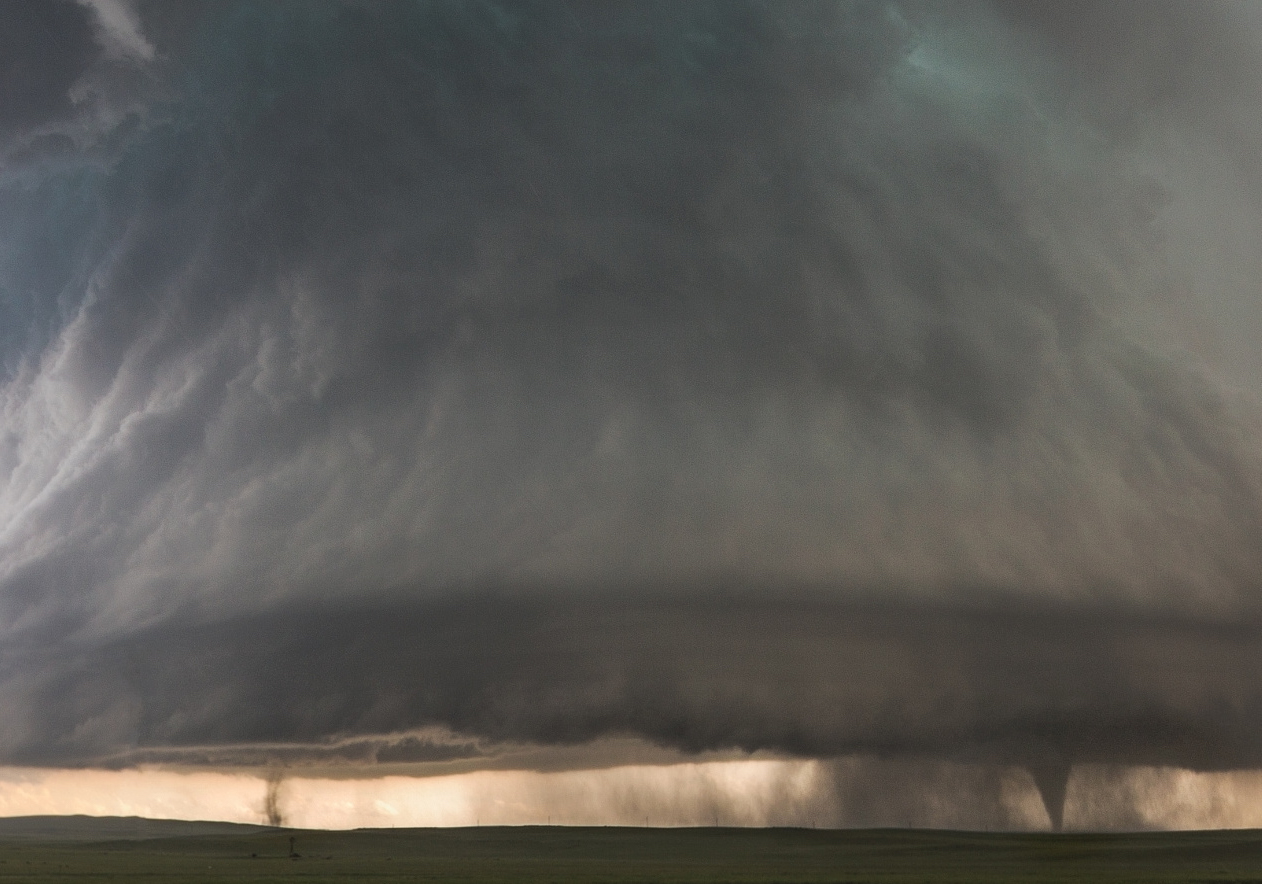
<point>539,854</point>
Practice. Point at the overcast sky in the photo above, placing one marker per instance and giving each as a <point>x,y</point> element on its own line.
<point>386,385</point>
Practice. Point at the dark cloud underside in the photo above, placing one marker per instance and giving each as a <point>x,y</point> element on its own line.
<point>797,675</point>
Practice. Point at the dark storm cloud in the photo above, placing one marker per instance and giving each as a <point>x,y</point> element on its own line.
<point>1174,58</point>
<point>770,332</point>
<point>46,48</point>
<point>799,674</point>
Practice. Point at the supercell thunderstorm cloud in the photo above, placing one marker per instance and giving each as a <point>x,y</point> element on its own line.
<point>870,385</point>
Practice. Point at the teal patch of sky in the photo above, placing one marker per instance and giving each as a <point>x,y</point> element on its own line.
<point>980,74</point>
<point>1004,92</point>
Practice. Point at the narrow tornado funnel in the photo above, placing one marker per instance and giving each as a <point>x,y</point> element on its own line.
<point>1052,777</point>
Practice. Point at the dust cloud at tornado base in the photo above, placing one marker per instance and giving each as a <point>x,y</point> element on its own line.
<point>831,380</point>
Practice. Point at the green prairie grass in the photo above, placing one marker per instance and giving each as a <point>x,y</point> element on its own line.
<point>559,854</point>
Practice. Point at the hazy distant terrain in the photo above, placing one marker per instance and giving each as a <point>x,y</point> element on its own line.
<point>111,828</point>
<point>111,850</point>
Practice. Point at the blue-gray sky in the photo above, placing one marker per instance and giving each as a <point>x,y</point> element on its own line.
<point>818,378</point>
